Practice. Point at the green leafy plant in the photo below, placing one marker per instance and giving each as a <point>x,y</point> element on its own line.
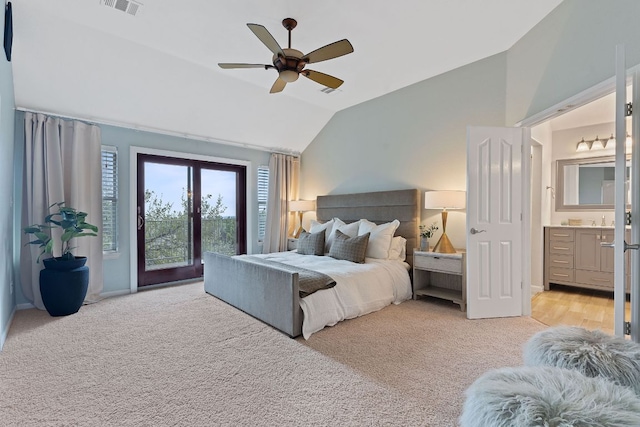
<point>429,231</point>
<point>70,220</point>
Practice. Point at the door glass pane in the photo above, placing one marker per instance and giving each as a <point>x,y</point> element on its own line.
<point>219,222</point>
<point>168,207</point>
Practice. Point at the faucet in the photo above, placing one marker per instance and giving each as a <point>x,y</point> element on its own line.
<point>604,223</point>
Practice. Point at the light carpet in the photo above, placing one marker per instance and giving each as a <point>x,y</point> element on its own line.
<point>179,357</point>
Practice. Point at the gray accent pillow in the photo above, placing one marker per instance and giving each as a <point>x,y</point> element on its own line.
<point>349,248</point>
<point>311,243</point>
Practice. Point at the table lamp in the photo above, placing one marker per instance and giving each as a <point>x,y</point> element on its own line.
<point>301,206</point>
<point>445,200</point>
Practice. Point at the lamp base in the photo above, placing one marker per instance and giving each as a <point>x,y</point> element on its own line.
<point>444,245</point>
<point>297,233</point>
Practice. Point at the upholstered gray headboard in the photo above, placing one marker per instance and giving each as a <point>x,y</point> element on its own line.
<point>378,207</point>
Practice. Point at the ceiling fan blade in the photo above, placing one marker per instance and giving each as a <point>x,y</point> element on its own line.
<point>329,51</point>
<point>278,86</point>
<point>233,65</point>
<point>322,78</point>
<point>265,37</point>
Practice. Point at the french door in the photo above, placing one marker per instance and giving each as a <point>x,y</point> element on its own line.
<point>186,207</point>
<point>626,182</point>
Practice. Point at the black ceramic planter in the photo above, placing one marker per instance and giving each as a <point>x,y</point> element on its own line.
<point>63,285</point>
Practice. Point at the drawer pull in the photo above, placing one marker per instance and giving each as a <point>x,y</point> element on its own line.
<point>560,275</point>
<point>561,235</point>
<point>560,248</point>
<point>599,280</point>
<point>560,262</point>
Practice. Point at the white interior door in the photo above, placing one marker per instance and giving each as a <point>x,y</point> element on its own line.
<point>495,199</point>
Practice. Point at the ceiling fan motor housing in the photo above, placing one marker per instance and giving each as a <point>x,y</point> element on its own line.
<point>290,65</point>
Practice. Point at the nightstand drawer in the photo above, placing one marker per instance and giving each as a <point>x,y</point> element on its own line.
<point>437,263</point>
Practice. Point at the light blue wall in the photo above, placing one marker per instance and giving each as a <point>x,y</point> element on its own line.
<point>414,137</point>
<point>117,270</point>
<point>571,50</point>
<point>7,111</point>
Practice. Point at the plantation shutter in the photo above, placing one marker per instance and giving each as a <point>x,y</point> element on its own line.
<point>109,199</point>
<point>263,192</point>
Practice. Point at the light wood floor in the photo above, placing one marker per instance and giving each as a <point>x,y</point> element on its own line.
<point>564,305</point>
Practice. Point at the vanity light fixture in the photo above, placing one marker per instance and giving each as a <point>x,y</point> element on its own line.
<point>583,146</point>
<point>598,144</point>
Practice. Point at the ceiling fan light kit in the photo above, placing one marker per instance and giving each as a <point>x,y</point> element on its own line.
<point>290,63</point>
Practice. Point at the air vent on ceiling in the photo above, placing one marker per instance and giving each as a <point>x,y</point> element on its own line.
<point>327,90</point>
<point>127,6</point>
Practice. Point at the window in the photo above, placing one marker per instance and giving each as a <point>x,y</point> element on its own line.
<point>109,199</point>
<point>263,192</point>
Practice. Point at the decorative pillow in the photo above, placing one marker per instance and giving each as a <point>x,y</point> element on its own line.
<point>311,243</point>
<point>349,248</point>
<point>327,227</point>
<point>381,235</point>
<point>398,249</point>
<point>350,230</point>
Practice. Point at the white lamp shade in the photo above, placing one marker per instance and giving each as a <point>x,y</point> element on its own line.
<point>302,205</point>
<point>449,199</point>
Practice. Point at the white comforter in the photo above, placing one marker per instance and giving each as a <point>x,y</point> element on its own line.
<point>360,288</point>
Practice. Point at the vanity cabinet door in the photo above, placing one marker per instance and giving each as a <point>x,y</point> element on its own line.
<point>606,254</point>
<point>587,250</point>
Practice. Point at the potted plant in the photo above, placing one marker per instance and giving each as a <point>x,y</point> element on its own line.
<point>425,234</point>
<point>65,279</point>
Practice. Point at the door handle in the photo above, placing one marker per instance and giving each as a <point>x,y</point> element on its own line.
<point>140,219</point>
<point>476,231</point>
<point>627,246</point>
<point>140,222</point>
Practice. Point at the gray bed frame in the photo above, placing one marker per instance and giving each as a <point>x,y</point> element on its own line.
<point>271,295</point>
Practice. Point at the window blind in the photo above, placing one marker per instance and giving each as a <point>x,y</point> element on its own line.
<point>109,199</point>
<point>263,193</point>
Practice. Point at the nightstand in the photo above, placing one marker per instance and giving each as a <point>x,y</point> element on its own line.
<point>440,275</point>
<point>292,243</point>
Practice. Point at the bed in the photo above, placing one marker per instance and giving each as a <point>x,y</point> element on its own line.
<point>272,294</point>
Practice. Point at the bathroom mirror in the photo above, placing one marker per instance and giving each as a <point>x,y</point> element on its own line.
<point>587,184</point>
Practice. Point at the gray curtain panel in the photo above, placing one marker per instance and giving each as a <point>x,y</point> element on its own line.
<point>284,172</point>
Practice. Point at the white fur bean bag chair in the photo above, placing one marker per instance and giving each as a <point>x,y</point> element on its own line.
<point>593,353</point>
<point>547,397</point>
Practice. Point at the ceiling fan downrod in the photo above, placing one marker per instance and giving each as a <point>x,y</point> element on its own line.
<point>289,24</point>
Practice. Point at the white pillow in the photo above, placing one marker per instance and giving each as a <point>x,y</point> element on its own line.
<point>350,230</point>
<point>398,249</point>
<point>328,229</point>
<point>380,238</point>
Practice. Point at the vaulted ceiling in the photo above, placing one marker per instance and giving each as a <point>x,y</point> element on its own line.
<point>157,70</point>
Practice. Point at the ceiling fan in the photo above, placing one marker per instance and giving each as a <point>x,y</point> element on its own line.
<point>290,62</point>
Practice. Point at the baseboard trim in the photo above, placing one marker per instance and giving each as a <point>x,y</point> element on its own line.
<point>5,331</point>
<point>25,306</point>
<point>536,290</point>
<point>115,293</point>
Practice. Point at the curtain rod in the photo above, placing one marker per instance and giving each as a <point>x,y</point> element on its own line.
<point>163,132</point>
